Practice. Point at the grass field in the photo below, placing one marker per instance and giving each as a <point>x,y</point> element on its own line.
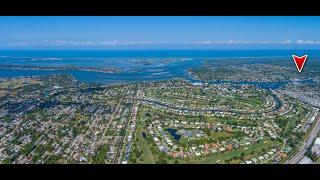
<point>146,152</point>
<point>17,83</point>
<point>146,156</point>
<point>235,155</point>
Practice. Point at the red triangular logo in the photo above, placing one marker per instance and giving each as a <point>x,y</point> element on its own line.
<point>299,61</point>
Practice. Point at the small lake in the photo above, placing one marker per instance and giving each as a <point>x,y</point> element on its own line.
<point>144,135</point>
<point>173,134</point>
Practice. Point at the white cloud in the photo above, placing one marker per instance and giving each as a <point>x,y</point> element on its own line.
<point>114,43</point>
<point>208,42</point>
<point>288,41</point>
<point>199,42</point>
<point>266,42</point>
<point>230,42</point>
<point>307,42</point>
<point>235,42</point>
<point>63,43</point>
<point>109,43</point>
<point>135,42</point>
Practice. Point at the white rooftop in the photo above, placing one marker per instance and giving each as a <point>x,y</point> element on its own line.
<point>317,141</point>
<point>305,160</point>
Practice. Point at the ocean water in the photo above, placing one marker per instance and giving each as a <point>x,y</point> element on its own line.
<point>126,60</point>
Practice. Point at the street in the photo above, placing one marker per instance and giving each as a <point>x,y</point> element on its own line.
<point>295,159</point>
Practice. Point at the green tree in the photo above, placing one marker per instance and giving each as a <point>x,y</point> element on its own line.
<point>242,155</point>
<point>161,161</point>
<point>7,161</point>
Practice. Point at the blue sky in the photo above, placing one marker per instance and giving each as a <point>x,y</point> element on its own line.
<point>159,32</point>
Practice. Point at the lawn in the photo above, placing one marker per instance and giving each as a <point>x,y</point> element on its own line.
<point>142,146</point>
<point>16,83</point>
<point>223,157</point>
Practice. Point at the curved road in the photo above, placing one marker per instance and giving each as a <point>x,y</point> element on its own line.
<point>204,110</point>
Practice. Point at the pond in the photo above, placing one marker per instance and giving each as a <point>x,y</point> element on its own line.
<point>173,134</point>
<point>144,135</point>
